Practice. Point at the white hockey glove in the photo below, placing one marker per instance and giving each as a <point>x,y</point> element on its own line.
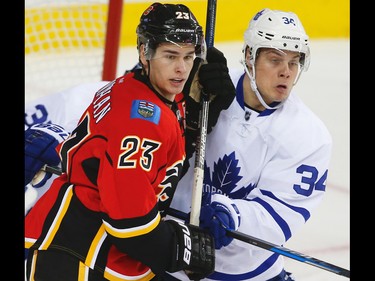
<point>40,143</point>
<point>218,216</point>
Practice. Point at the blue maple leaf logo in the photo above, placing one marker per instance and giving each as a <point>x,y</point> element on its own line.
<point>225,178</point>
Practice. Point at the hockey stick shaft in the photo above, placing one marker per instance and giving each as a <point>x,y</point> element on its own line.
<point>201,147</point>
<point>210,22</point>
<point>288,253</point>
<point>53,170</point>
<point>256,241</point>
<point>274,248</point>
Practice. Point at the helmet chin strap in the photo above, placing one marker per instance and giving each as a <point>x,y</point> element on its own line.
<point>255,88</point>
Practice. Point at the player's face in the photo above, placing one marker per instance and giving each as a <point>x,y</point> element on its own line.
<point>170,67</point>
<point>275,73</point>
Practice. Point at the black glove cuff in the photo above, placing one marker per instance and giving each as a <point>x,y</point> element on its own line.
<point>216,106</point>
<point>191,137</point>
<point>192,113</point>
<point>194,251</point>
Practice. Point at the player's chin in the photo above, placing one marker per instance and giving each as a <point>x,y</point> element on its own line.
<point>281,96</point>
<point>171,92</point>
<point>175,88</point>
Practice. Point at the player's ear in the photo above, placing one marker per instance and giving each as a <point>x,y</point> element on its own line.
<point>247,60</point>
<point>247,56</point>
<point>142,55</point>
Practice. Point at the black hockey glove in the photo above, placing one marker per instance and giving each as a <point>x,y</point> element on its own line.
<point>214,80</point>
<point>192,92</point>
<point>194,252</point>
<point>214,76</point>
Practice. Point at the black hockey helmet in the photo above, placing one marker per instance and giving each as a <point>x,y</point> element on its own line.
<point>173,23</point>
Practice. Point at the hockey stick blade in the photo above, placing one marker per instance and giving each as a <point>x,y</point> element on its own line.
<point>288,253</point>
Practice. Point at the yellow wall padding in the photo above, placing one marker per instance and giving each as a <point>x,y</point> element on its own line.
<point>321,18</point>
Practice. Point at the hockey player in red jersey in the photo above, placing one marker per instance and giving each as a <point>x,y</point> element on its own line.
<point>102,219</point>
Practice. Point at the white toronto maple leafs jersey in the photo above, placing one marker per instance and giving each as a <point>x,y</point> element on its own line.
<point>274,166</point>
<point>63,108</point>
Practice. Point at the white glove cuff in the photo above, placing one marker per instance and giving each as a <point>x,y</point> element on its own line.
<point>54,130</point>
<point>227,202</point>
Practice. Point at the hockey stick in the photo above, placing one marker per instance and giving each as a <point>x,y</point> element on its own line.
<point>196,198</point>
<point>53,170</point>
<point>274,248</point>
<point>288,253</point>
<point>254,241</point>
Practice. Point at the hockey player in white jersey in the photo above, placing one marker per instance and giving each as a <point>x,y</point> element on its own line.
<point>267,158</point>
<point>63,108</point>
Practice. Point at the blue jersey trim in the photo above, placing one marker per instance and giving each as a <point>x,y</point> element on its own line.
<point>302,211</point>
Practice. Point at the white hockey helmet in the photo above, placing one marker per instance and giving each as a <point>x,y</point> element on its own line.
<point>279,30</point>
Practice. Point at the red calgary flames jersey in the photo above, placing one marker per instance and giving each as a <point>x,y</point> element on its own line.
<point>122,164</point>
